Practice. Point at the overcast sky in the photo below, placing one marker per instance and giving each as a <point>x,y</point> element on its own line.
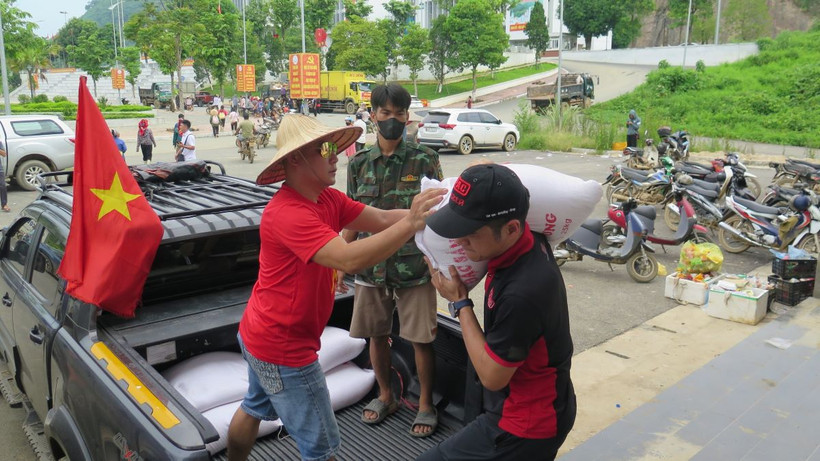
<point>46,13</point>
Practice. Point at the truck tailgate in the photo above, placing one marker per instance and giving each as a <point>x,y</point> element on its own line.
<point>389,440</point>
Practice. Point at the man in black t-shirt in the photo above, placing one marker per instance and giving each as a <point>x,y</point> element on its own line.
<point>523,360</point>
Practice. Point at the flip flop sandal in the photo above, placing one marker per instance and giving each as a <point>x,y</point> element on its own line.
<point>425,418</point>
<point>6,209</point>
<point>381,409</point>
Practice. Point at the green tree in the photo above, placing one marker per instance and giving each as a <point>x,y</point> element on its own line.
<point>18,32</point>
<point>478,36</point>
<point>34,59</point>
<point>628,27</point>
<point>358,45</point>
<point>679,9</point>
<point>357,8</point>
<point>226,34</point>
<point>92,54</point>
<point>441,50</point>
<point>130,59</point>
<point>538,34</point>
<point>591,18</point>
<point>401,12</point>
<point>69,34</point>
<point>276,24</point>
<point>413,50</point>
<point>748,20</point>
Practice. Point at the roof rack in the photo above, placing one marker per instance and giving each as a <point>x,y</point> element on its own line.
<point>214,193</point>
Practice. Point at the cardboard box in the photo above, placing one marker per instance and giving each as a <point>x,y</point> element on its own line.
<point>746,306</point>
<point>687,291</point>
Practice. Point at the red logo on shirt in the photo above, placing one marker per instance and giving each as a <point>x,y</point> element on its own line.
<point>491,299</point>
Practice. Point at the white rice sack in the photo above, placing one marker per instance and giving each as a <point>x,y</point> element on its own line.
<point>347,384</point>
<point>337,347</point>
<point>559,203</point>
<point>221,417</point>
<point>210,380</point>
<point>444,252</point>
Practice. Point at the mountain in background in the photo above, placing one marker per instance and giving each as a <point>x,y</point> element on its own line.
<point>97,10</point>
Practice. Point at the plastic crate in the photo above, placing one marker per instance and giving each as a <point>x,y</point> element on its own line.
<point>791,293</point>
<point>794,268</point>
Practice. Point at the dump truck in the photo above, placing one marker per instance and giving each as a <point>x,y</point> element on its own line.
<point>344,90</point>
<point>158,95</point>
<point>576,90</point>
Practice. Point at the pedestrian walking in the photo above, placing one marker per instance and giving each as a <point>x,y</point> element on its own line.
<point>470,102</point>
<point>119,142</point>
<point>215,121</point>
<point>186,148</point>
<point>223,114</point>
<point>360,142</point>
<point>234,103</point>
<point>145,141</point>
<point>175,138</point>
<point>4,199</point>
<point>233,117</point>
<point>633,125</point>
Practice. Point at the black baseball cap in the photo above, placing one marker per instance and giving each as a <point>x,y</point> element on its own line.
<point>483,193</point>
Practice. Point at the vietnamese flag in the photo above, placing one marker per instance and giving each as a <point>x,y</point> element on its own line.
<point>114,232</point>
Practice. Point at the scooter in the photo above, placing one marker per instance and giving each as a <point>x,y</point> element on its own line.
<point>641,264</point>
<point>711,173</point>
<point>754,224</point>
<point>614,232</point>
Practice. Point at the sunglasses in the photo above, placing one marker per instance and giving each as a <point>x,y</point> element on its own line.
<point>328,149</point>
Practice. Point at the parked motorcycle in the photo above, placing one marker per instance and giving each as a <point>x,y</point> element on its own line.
<point>675,145</point>
<point>646,189</point>
<point>770,227</point>
<point>246,148</point>
<point>641,264</point>
<point>795,171</point>
<point>778,196</point>
<point>703,198</point>
<point>711,173</point>
<point>643,159</point>
<point>614,232</point>
<point>263,131</point>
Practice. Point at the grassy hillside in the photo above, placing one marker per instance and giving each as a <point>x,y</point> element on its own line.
<point>772,97</point>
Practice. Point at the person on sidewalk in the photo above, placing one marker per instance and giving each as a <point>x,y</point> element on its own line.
<point>292,300</point>
<point>470,102</point>
<point>633,125</point>
<point>387,176</point>
<point>214,119</point>
<point>4,198</point>
<point>363,137</point>
<point>145,141</point>
<point>523,355</point>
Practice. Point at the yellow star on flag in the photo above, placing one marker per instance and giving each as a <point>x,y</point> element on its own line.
<point>114,199</point>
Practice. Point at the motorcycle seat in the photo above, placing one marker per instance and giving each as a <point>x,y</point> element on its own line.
<point>706,168</point>
<point>756,207</point>
<point>816,166</point>
<point>708,185</point>
<point>646,211</point>
<point>634,175</point>
<point>692,170</point>
<point>708,193</point>
<point>798,168</point>
<point>633,170</point>
<point>594,225</point>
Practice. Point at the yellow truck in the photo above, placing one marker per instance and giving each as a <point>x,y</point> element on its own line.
<point>344,90</point>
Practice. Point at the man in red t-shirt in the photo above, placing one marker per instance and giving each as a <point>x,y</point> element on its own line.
<point>524,353</point>
<point>301,249</point>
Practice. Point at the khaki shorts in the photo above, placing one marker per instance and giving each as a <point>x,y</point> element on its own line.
<point>373,312</point>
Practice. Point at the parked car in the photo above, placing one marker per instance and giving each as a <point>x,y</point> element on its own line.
<point>415,102</point>
<point>465,130</point>
<point>35,144</point>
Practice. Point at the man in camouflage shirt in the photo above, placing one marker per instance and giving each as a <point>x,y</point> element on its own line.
<point>388,176</point>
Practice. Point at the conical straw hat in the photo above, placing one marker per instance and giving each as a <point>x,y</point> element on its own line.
<point>303,133</point>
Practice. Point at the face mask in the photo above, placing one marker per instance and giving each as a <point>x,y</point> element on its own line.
<point>391,128</point>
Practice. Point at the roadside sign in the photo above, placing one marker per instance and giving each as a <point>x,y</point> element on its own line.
<point>303,72</point>
<point>117,79</point>
<point>246,78</point>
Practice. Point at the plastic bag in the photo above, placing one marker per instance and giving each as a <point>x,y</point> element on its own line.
<point>700,258</point>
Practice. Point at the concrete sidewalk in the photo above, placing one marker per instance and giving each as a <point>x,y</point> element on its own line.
<point>753,401</point>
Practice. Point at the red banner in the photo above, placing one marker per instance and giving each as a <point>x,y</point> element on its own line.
<point>303,73</point>
<point>321,37</point>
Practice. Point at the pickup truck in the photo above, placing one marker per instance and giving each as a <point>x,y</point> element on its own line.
<point>203,98</point>
<point>35,144</point>
<point>92,381</point>
<point>576,90</point>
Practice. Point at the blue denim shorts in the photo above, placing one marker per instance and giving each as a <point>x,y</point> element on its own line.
<point>300,397</point>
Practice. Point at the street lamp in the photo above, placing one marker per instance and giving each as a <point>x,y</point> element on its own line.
<point>65,22</point>
<point>114,28</point>
<point>6,97</point>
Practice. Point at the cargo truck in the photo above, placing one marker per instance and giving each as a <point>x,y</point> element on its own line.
<point>344,90</point>
<point>576,90</point>
<point>158,95</point>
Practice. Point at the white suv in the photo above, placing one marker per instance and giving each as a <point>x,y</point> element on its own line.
<point>466,129</point>
<point>35,144</point>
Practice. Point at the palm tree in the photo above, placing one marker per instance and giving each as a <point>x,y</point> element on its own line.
<point>34,58</point>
